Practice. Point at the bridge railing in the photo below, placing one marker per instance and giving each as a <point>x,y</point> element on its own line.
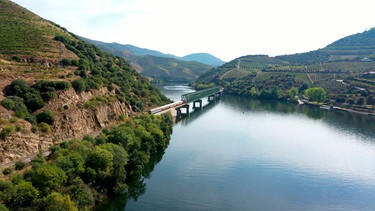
<point>190,97</point>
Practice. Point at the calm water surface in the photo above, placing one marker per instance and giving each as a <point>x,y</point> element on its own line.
<point>241,154</point>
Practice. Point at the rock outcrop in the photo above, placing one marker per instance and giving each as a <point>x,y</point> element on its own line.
<point>72,120</point>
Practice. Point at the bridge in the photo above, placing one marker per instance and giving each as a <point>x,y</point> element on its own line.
<point>186,99</point>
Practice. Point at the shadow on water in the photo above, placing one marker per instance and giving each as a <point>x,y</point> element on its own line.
<point>135,189</point>
<point>197,113</point>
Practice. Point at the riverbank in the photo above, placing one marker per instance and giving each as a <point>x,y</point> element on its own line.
<point>338,108</point>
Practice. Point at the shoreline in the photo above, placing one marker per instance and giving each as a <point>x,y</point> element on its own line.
<point>328,107</point>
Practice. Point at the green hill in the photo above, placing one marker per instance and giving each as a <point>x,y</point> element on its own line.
<point>36,49</point>
<point>345,69</point>
<point>43,67</point>
<point>61,103</point>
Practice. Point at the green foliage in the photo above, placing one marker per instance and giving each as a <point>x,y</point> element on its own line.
<point>17,105</point>
<point>46,116</point>
<point>3,207</point>
<point>48,178</point>
<point>20,165</point>
<point>8,103</point>
<point>7,171</point>
<point>57,201</point>
<point>48,86</point>
<point>6,131</point>
<point>33,100</point>
<point>31,96</point>
<point>21,195</point>
<point>79,171</point>
<point>97,69</point>
<point>81,194</point>
<point>79,84</point>
<point>293,91</point>
<point>316,94</point>
<point>45,128</point>
<point>18,88</point>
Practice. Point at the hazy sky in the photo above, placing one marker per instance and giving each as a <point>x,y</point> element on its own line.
<point>224,28</point>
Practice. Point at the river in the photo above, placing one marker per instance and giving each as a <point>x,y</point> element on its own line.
<point>242,154</point>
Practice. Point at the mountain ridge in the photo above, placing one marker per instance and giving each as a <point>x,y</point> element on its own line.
<point>156,65</point>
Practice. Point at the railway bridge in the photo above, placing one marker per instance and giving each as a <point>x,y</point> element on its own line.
<point>182,107</point>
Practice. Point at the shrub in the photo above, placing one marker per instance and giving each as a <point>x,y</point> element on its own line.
<point>44,127</point>
<point>19,127</point>
<point>20,165</point>
<point>7,171</point>
<point>79,85</point>
<point>33,100</point>
<point>46,116</point>
<point>34,129</point>
<point>8,103</point>
<point>7,131</point>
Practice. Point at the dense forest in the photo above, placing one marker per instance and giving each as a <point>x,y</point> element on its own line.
<point>78,174</point>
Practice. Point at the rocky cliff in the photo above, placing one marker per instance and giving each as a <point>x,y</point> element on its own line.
<point>72,120</point>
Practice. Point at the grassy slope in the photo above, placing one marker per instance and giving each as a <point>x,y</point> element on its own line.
<point>26,35</point>
<point>28,51</point>
<point>27,48</point>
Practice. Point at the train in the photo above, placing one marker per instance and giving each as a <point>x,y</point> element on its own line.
<point>166,107</point>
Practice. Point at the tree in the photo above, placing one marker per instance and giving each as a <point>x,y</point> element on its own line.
<point>21,195</point>
<point>316,94</point>
<point>33,100</point>
<point>293,91</point>
<point>46,116</point>
<point>71,162</point>
<point>100,159</point>
<point>57,201</point>
<point>81,194</point>
<point>48,178</point>
<point>79,84</point>
<point>18,88</point>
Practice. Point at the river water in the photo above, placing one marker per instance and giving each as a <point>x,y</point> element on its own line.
<point>242,154</point>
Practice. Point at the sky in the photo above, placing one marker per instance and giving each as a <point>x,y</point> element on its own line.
<point>227,29</point>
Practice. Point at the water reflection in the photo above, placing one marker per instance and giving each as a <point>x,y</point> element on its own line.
<point>197,113</point>
<point>243,154</point>
<point>345,121</point>
<point>135,189</point>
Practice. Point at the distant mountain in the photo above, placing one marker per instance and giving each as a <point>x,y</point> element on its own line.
<point>126,50</point>
<point>204,58</point>
<point>169,69</point>
<point>157,65</point>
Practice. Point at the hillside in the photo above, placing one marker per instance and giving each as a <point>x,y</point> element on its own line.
<point>160,66</point>
<point>48,72</point>
<point>345,69</point>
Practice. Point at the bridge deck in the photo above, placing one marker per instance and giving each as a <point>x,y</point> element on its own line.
<point>191,97</point>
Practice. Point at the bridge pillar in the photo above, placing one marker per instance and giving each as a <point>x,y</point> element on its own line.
<point>197,101</point>
<point>180,112</point>
<point>211,98</point>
